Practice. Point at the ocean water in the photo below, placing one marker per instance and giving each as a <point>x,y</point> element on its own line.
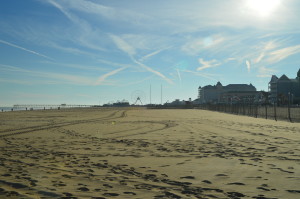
<point>38,107</point>
<point>6,109</point>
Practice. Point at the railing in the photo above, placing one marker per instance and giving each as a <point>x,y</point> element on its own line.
<point>287,113</point>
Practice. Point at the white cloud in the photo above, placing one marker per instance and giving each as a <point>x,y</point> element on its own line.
<point>269,53</point>
<point>90,7</point>
<point>197,33</point>
<point>16,81</point>
<point>179,76</point>
<point>123,45</point>
<point>27,50</point>
<point>66,78</point>
<point>136,82</point>
<point>99,10</point>
<point>59,77</point>
<point>207,64</point>
<point>64,11</point>
<point>72,50</point>
<point>152,71</point>
<point>183,17</point>
<point>102,78</point>
<point>264,49</point>
<point>281,54</point>
<point>272,45</point>
<point>265,72</point>
<point>230,59</point>
<point>152,54</point>
<point>205,75</point>
<point>248,64</point>
<point>259,58</point>
<point>84,67</point>
<point>85,34</point>
<point>115,63</point>
<point>196,45</point>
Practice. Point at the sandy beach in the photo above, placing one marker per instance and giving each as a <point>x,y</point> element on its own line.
<point>140,153</point>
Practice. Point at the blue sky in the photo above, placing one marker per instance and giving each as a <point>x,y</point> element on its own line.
<point>99,51</point>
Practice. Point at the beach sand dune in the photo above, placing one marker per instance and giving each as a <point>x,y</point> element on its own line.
<point>140,153</point>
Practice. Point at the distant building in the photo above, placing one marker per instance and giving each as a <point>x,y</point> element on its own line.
<point>243,97</point>
<point>284,89</point>
<point>225,94</point>
<point>122,103</point>
<point>176,102</point>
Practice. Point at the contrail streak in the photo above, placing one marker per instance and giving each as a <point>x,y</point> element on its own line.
<point>103,77</point>
<point>30,51</point>
<point>179,76</point>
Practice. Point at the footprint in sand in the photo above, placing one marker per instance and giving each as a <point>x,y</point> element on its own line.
<point>107,186</point>
<point>263,188</point>
<point>12,193</point>
<point>68,194</point>
<point>221,175</point>
<point>111,194</point>
<point>188,177</point>
<point>293,191</point>
<point>236,183</point>
<point>152,170</point>
<point>235,194</point>
<point>207,181</point>
<point>129,193</point>
<point>167,165</point>
<point>83,189</point>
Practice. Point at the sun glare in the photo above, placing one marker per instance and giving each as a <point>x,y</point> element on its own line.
<point>263,7</point>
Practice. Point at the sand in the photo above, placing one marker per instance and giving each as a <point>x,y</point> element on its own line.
<point>140,153</point>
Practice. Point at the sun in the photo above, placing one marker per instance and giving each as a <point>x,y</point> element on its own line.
<point>263,7</point>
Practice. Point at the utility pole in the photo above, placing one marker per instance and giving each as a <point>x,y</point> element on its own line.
<point>161,94</point>
<point>150,94</point>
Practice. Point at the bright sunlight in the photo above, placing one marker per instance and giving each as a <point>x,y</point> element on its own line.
<point>263,7</point>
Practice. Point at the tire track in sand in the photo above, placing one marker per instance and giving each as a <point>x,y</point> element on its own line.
<point>12,132</point>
